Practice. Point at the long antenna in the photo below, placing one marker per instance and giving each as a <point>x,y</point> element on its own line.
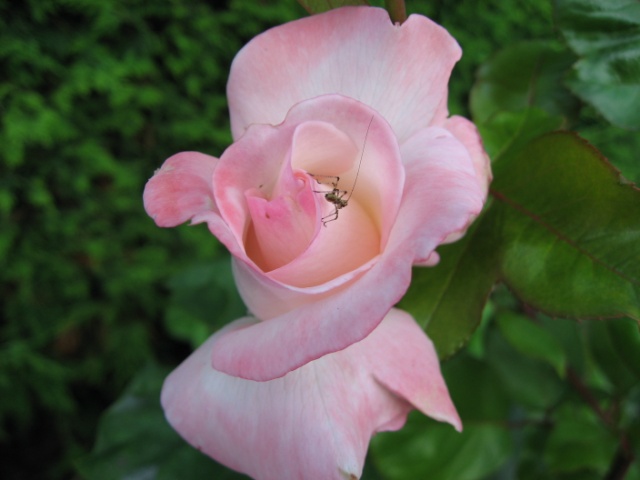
<point>364,144</point>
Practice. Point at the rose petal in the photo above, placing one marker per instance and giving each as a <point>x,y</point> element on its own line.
<point>248,167</point>
<point>282,227</point>
<point>180,189</point>
<point>373,179</point>
<point>307,326</point>
<point>376,179</point>
<point>442,195</point>
<point>317,421</point>
<point>332,254</point>
<point>321,148</point>
<point>405,361</point>
<point>400,71</point>
<point>467,133</point>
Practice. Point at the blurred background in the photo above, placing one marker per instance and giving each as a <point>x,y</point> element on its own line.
<point>94,96</point>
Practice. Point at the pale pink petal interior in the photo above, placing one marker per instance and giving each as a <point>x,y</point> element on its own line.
<point>376,176</point>
<point>331,254</point>
<point>251,166</point>
<point>321,148</point>
<point>282,227</point>
<point>337,149</point>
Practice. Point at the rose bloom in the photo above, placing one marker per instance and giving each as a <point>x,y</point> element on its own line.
<point>345,172</point>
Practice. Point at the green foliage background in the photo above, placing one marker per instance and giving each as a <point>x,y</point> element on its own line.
<point>94,95</point>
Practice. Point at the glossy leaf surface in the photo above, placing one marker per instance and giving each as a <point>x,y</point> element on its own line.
<point>606,36</point>
<point>519,95</point>
<point>527,74</point>
<point>573,251</point>
<point>532,340</point>
<point>448,299</point>
<point>579,444</point>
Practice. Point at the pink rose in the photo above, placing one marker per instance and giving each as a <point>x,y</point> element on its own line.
<point>345,172</point>
<point>315,422</point>
<point>344,94</point>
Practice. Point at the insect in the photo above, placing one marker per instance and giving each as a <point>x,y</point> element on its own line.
<point>336,196</point>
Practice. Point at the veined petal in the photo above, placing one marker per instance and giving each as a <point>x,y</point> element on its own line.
<point>315,422</point>
<point>467,133</point>
<point>282,227</point>
<point>180,189</point>
<point>442,194</point>
<point>401,71</point>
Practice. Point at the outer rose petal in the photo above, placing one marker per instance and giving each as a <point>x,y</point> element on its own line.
<point>401,71</point>
<point>442,194</point>
<point>180,189</point>
<point>467,133</point>
<point>315,422</point>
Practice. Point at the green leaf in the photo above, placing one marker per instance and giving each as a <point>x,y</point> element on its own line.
<point>619,145</point>
<point>631,424</point>
<point>569,334</point>
<point>562,232</point>
<point>529,382</point>
<point>319,6</point>
<point>510,131</point>
<point>569,230</point>
<point>426,449</point>
<point>532,340</point>
<point>524,75</point>
<point>606,36</point>
<point>448,299</point>
<point>203,299</point>
<point>476,390</point>
<point>135,441</point>
<point>625,338</point>
<point>615,346</point>
<point>519,95</point>
<point>579,442</point>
